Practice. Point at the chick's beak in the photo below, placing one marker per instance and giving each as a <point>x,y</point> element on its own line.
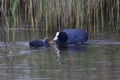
<point>51,42</point>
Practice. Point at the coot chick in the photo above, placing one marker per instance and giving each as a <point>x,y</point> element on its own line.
<point>71,36</point>
<point>40,43</point>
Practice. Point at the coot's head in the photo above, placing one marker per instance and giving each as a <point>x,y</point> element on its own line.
<point>47,42</point>
<point>60,38</point>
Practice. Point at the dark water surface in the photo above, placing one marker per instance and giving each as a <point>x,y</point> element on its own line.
<point>98,60</point>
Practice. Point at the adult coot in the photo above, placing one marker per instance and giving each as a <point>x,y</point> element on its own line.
<point>40,43</point>
<point>71,36</point>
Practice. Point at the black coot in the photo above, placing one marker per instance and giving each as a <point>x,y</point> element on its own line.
<point>71,36</point>
<point>40,43</point>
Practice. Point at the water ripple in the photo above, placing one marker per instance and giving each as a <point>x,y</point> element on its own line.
<point>104,42</point>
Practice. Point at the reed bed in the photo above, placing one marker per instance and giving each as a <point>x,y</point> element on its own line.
<point>91,15</point>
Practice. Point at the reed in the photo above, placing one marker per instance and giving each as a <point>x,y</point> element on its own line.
<point>118,13</point>
<point>97,15</point>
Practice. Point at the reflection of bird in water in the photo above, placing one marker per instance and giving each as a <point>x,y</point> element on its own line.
<point>73,48</point>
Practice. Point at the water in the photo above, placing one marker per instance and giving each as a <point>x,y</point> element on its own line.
<point>98,60</point>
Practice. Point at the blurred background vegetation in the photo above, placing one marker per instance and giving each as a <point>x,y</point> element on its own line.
<point>91,15</point>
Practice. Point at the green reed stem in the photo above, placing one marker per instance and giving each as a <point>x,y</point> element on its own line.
<point>102,16</point>
<point>118,14</point>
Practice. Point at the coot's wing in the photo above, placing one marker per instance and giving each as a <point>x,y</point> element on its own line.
<point>80,36</point>
<point>76,36</point>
